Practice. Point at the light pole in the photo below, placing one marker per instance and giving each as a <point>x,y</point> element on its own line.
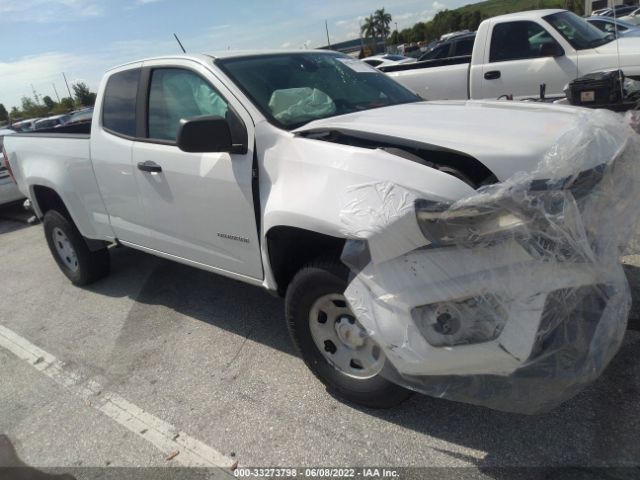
<point>67,84</point>
<point>56,90</point>
<point>327,29</point>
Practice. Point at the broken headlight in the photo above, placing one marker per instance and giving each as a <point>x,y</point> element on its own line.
<point>442,225</point>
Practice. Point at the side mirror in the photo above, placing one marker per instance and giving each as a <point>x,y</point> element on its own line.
<point>208,133</point>
<point>551,50</point>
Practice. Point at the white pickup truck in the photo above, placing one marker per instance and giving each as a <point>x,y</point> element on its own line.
<point>250,165</point>
<point>514,54</point>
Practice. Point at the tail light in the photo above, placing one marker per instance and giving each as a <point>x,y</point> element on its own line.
<point>7,164</point>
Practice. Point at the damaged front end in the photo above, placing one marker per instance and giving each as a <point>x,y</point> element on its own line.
<point>513,298</point>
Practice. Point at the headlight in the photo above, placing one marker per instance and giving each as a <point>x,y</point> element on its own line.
<point>467,321</point>
<point>443,226</point>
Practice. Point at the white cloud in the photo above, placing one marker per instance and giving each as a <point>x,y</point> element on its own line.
<point>286,45</point>
<point>42,71</point>
<point>50,11</point>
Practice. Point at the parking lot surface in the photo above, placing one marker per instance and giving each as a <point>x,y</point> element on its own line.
<point>210,358</point>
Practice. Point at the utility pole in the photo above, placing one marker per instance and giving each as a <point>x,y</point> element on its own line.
<point>55,90</point>
<point>327,29</point>
<point>67,84</point>
<point>35,95</point>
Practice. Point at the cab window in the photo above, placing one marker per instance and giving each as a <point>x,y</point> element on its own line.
<point>438,52</point>
<point>177,94</point>
<point>519,40</point>
<point>119,106</point>
<point>463,47</point>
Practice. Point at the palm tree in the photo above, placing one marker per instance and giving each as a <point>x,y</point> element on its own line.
<point>369,29</point>
<point>382,21</point>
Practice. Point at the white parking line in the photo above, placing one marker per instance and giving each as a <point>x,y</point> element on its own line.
<point>167,438</point>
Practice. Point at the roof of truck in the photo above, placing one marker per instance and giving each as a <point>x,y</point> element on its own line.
<point>199,57</point>
<point>249,53</point>
<point>531,13</point>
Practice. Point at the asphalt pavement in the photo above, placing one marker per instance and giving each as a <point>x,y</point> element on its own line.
<point>210,358</point>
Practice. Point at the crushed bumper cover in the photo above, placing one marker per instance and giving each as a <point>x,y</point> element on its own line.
<point>513,298</point>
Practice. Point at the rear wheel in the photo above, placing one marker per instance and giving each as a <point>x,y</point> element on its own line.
<point>332,342</point>
<point>70,251</point>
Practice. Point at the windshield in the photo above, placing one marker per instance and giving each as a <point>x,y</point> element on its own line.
<point>295,88</point>
<point>577,31</point>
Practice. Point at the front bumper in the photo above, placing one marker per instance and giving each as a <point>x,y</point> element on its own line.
<point>391,292</point>
<point>513,298</point>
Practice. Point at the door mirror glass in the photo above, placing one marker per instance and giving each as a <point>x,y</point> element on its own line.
<point>207,133</point>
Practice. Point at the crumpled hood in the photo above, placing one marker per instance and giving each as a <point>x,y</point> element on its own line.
<point>507,137</point>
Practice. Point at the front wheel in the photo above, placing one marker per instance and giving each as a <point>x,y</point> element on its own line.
<point>332,342</point>
<point>70,251</point>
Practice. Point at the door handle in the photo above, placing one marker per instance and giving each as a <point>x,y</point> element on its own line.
<point>492,75</point>
<point>149,166</point>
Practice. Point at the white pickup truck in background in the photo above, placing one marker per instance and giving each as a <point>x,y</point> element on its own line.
<point>245,164</point>
<point>514,54</point>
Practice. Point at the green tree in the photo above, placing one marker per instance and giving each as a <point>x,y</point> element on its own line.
<point>382,21</point>
<point>576,6</point>
<point>31,109</point>
<point>15,113</point>
<point>27,104</point>
<point>369,30</point>
<point>4,115</point>
<point>48,101</point>
<point>418,32</point>
<point>83,95</point>
<point>66,105</point>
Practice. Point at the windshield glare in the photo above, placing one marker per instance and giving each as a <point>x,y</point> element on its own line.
<point>295,88</point>
<point>577,31</point>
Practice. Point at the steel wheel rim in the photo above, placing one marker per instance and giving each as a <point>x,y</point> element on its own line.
<point>64,249</point>
<point>341,340</point>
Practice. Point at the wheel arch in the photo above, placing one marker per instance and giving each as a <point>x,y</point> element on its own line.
<point>290,248</point>
<point>45,198</point>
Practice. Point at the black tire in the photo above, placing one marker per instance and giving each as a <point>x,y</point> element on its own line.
<point>91,265</point>
<point>313,281</point>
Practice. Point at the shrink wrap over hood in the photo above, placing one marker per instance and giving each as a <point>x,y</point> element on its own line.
<point>514,297</point>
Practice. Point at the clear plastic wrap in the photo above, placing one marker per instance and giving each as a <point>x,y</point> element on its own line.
<point>514,297</point>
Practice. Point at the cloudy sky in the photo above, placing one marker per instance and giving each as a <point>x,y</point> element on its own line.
<point>39,39</point>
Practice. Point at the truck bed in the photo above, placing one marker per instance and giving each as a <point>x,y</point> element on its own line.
<point>61,162</point>
<point>441,62</point>
<point>443,79</point>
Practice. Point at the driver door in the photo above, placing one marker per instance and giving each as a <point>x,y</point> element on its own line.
<point>522,56</point>
<point>198,206</point>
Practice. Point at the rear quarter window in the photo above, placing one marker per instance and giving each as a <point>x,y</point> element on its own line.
<point>119,105</point>
<point>463,47</point>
